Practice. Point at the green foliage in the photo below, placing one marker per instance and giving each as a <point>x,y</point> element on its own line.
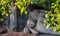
<point>4,9</point>
<point>45,3</point>
<point>38,1</point>
<point>22,5</point>
<point>53,16</point>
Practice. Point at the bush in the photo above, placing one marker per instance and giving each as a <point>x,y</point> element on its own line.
<point>53,16</point>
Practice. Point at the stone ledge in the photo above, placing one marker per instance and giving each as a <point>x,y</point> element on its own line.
<point>22,34</point>
<point>17,34</point>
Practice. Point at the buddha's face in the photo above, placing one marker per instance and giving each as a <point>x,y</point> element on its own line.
<point>30,23</point>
